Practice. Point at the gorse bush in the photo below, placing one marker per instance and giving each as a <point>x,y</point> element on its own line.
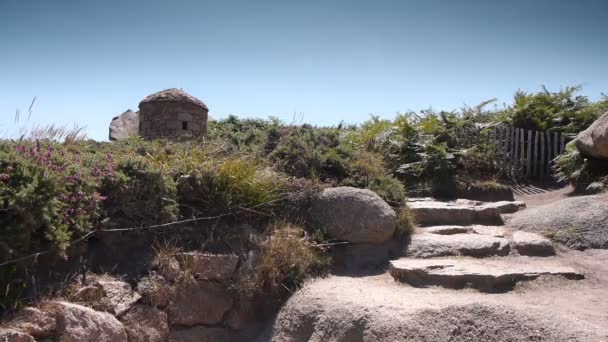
<point>47,196</point>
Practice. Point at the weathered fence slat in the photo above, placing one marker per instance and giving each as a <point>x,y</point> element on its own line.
<point>529,155</point>
<point>522,164</point>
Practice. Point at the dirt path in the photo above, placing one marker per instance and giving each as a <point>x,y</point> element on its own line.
<point>535,196</point>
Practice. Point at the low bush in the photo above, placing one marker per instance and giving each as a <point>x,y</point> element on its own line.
<point>47,196</point>
<point>287,259</point>
<point>229,186</point>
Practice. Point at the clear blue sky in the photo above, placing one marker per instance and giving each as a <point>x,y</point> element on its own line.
<point>87,61</point>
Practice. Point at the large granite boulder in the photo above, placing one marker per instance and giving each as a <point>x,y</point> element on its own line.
<point>578,222</point>
<point>209,266</point>
<point>79,323</point>
<point>144,323</point>
<point>593,141</point>
<point>124,125</point>
<point>199,303</point>
<point>355,215</point>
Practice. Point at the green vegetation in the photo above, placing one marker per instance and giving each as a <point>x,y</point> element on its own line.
<point>262,171</point>
<point>580,171</point>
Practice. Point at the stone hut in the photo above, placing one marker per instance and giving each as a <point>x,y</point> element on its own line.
<point>172,113</point>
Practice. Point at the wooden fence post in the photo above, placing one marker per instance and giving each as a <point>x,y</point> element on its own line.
<point>536,155</point>
<point>521,152</point>
<point>529,155</point>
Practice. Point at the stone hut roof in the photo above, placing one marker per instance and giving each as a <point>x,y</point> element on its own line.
<point>173,95</point>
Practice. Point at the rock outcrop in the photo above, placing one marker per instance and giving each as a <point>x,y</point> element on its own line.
<point>577,222</point>
<point>489,274</point>
<point>144,323</point>
<point>77,323</point>
<point>532,244</point>
<point>209,266</point>
<point>434,245</point>
<point>199,303</point>
<point>125,125</point>
<point>354,215</point>
<point>593,142</point>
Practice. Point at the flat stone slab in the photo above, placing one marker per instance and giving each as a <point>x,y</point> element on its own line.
<point>426,245</point>
<point>486,274</point>
<point>436,213</point>
<point>496,231</point>
<point>446,230</point>
<point>506,207</point>
<point>532,244</point>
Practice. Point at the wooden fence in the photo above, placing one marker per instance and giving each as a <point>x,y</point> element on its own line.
<point>522,154</point>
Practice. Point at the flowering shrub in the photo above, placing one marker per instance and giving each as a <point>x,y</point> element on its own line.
<point>47,196</point>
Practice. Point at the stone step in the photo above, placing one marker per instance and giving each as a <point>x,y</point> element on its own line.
<point>425,245</point>
<point>486,275</point>
<point>532,244</point>
<point>446,230</point>
<point>496,231</point>
<point>429,212</point>
<point>434,213</point>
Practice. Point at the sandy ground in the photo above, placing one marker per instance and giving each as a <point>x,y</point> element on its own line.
<point>535,196</point>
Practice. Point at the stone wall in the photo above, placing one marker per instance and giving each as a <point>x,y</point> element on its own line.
<point>161,120</point>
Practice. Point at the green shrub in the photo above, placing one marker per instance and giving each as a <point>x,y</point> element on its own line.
<point>235,184</point>
<point>313,153</point>
<point>437,167</point>
<point>553,111</point>
<point>287,259</point>
<point>138,194</point>
<point>47,196</point>
<point>479,161</point>
<point>405,222</point>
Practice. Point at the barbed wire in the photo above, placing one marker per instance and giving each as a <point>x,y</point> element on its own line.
<point>155,226</point>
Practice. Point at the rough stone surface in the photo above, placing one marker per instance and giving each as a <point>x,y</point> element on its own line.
<point>118,296</point>
<point>172,113</point>
<point>155,290</point>
<point>496,231</point>
<point>144,323</point>
<point>125,125</point>
<point>77,323</point>
<point>366,309</point>
<point>487,274</point>
<point>355,215</point>
<point>434,245</point>
<point>209,266</point>
<point>446,230</point>
<point>173,95</point>
<point>506,207</point>
<point>593,141</point>
<point>532,244</point>
<point>577,222</point>
<point>89,293</point>
<point>11,335</point>
<point>201,334</point>
<point>34,322</point>
<point>436,213</point>
<point>199,303</point>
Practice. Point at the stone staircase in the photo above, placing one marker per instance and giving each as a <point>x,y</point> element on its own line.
<point>463,243</point>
